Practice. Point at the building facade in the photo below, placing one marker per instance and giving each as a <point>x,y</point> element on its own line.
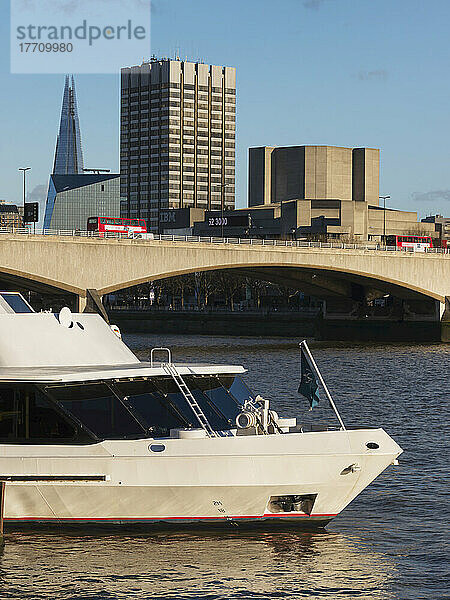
<point>72,199</point>
<point>284,173</point>
<point>441,226</point>
<point>177,141</point>
<point>10,215</point>
<point>333,184</point>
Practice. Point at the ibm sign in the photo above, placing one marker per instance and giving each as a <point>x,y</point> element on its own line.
<point>167,216</point>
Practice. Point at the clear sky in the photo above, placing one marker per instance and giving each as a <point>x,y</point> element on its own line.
<point>334,72</point>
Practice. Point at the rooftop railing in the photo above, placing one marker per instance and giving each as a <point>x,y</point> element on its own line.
<point>217,240</point>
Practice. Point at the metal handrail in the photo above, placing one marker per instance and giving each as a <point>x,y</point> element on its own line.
<point>217,240</point>
<point>169,354</point>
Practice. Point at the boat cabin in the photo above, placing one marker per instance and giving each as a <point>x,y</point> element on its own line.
<point>68,378</point>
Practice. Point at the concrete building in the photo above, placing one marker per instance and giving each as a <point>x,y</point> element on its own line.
<point>72,199</point>
<point>177,142</point>
<point>441,226</point>
<point>285,220</point>
<point>277,174</point>
<point>325,190</point>
<point>10,215</point>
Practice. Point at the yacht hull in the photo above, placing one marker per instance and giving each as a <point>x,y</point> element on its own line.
<point>208,482</point>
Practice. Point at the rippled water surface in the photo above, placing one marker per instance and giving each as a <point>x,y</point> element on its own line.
<point>390,543</point>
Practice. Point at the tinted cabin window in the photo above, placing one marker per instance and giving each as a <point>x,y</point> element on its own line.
<point>27,416</point>
<point>212,395</point>
<point>98,409</point>
<point>155,410</point>
<point>17,303</point>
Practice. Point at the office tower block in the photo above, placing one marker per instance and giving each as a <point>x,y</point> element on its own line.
<point>177,142</point>
<point>69,154</point>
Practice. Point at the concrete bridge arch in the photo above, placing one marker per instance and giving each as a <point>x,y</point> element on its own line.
<point>74,265</point>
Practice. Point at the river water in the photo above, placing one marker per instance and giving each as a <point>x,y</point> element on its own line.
<point>389,543</point>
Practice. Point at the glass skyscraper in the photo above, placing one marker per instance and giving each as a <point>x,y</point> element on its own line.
<point>69,154</point>
<point>73,195</point>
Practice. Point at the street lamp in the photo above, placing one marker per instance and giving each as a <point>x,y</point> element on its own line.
<point>223,186</point>
<point>384,198</point>
<point>24,170</point>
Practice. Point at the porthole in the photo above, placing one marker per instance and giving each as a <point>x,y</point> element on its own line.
<point>157,447</point>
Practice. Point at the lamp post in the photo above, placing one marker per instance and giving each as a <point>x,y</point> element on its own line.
<point>384,198</point>
<point>223,186</point>
<point>24,171</point>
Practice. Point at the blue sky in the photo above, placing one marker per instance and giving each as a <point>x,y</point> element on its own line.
<point>337,72</point>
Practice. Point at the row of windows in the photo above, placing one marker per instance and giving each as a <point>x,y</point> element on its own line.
<point>173,85</point>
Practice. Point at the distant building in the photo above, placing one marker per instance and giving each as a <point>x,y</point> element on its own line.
<point>280,221</point>
<point>9,215</point>
<point>73,195</point>
<point>441,225</point>
<point>72,199</point>
<point>177,142</point>
<point>69,153</point>
<point>325,190</point>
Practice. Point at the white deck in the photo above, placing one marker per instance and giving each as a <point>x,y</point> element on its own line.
<point>96,372</point>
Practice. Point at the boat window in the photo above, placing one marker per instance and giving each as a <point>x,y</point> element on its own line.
<point>16,302</point>
<point>158,413</point>
<point>98,409</point>
<point>216,389</point>
<point>210,393</point>
<point>240,391</point>
<point>27,416</point>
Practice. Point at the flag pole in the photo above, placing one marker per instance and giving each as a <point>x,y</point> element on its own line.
<point>312,363</point>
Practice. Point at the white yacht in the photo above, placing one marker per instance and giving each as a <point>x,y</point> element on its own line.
<point>89,434</point>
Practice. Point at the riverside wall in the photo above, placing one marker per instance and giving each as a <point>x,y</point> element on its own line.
<point>277,324</point>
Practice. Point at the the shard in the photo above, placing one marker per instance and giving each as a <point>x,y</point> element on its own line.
<point>69,154</point>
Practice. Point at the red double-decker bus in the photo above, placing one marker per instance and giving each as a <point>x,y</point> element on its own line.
<point>130,227</point>
<point>417,243</point>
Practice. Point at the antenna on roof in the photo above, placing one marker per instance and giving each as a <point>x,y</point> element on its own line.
<point>97,171</point>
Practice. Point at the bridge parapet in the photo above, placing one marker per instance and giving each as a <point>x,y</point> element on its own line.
<point>75,263</point>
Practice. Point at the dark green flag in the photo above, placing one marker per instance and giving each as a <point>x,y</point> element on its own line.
<point>308,384</point>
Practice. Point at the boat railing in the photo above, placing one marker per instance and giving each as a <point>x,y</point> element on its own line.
<point>169,355</point>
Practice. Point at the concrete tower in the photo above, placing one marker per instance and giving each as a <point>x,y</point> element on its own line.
<point>177,142</point>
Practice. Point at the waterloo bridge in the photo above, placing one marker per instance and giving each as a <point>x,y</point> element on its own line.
<point>74,265</point>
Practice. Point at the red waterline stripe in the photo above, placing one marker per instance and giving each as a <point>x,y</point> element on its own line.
<point>265,515</point>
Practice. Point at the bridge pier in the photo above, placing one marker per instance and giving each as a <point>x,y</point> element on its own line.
<point>445,320</point>
<point>81,303</point>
